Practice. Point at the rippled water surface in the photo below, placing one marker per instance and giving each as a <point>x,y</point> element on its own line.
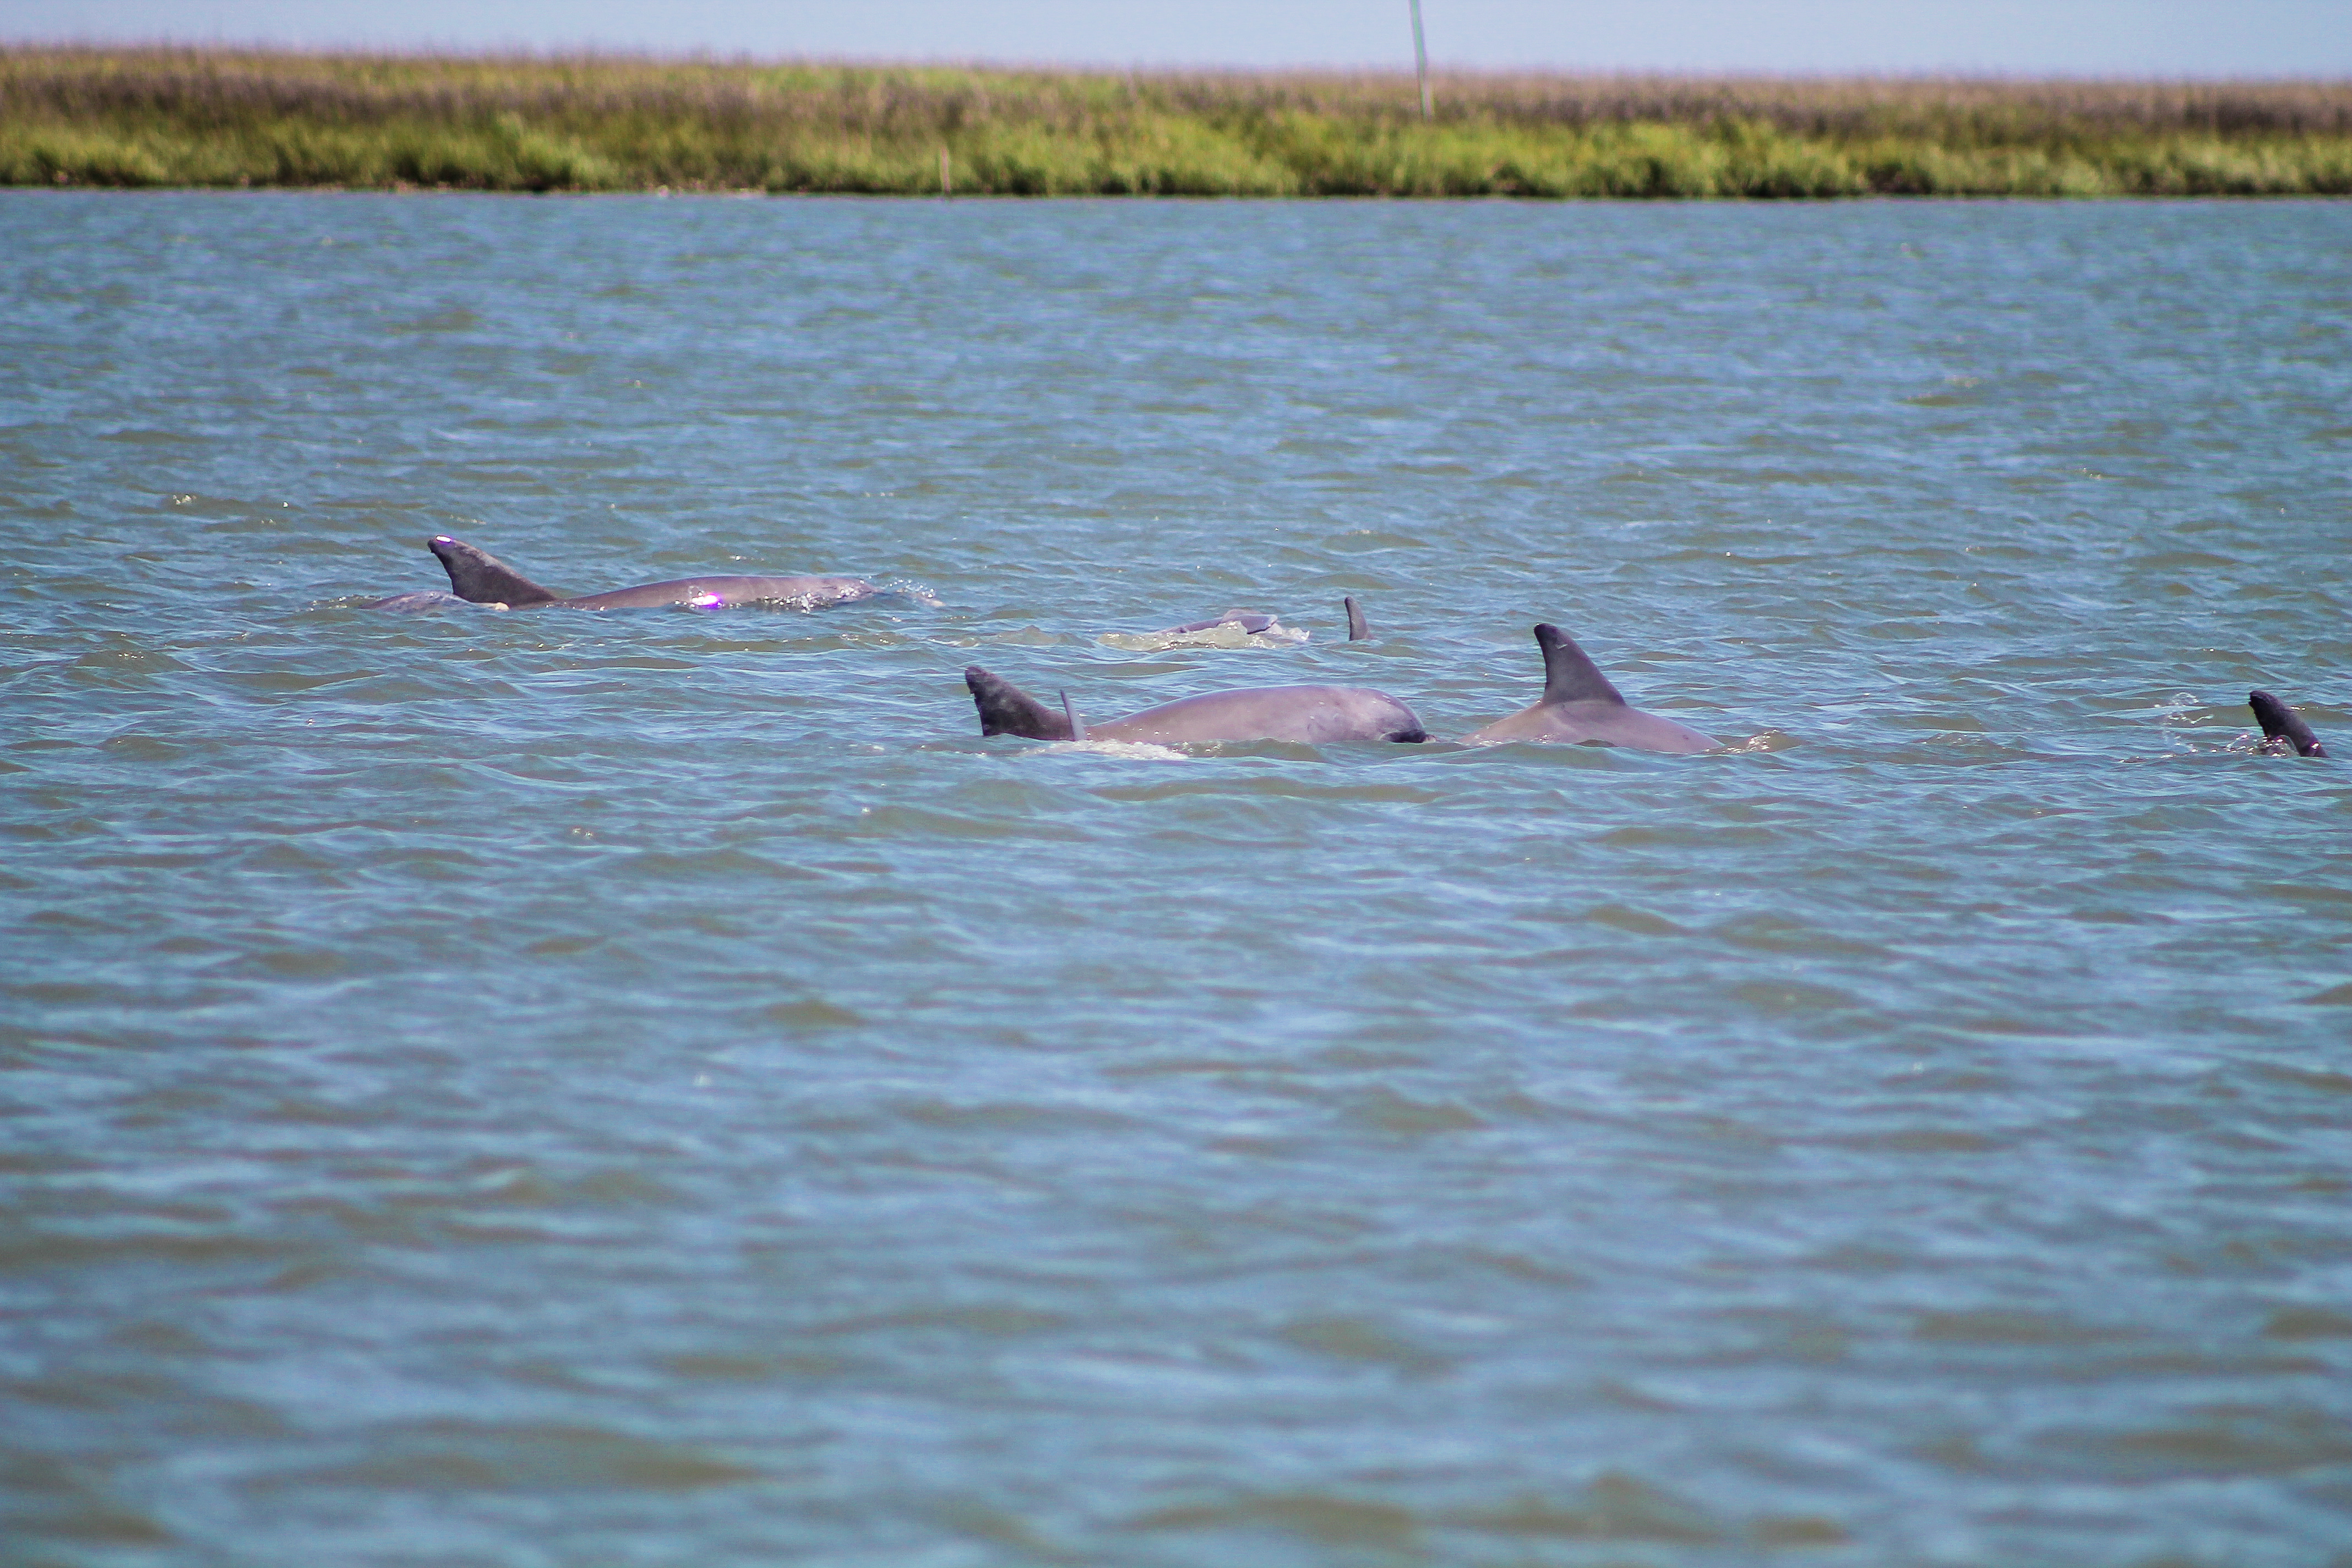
<point>658,1088</point>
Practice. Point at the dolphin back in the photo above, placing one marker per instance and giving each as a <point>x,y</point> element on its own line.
<point>715,593</point>
<point>1250,621</point>
<point>2281,722</point>
<point>1312,715</point>
<point>482,578</point>
<point>1579,705</point>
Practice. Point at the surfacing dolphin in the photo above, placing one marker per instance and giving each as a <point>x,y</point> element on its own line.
<point>481,578</point>
<point>1232,629</point>
<point>1314,715</point>
<point>2283,727</point>
<point>1579,705</point>
<point>1250,621</point>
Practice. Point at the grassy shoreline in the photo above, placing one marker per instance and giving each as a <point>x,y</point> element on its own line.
<point>231,117</point>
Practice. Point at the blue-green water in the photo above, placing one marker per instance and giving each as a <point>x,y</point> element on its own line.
<point>658,1088</point>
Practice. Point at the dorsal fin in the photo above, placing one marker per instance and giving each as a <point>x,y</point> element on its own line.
<point>1569,675</point>
<point>2280,722</point>
<point>1358,630</point>
<point>1006,710</point>
<point>481,577</point>
<point>1070,711</point>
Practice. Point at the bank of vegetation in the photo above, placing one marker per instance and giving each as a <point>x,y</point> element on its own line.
<point>227,118</point>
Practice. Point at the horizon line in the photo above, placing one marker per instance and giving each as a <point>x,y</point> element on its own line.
<point>748,60</point>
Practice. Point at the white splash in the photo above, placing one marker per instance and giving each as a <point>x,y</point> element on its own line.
<point>1130,751</point>
<point>1227,635</point>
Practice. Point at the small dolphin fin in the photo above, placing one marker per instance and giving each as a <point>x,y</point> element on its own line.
<point>1077,725</point>
<point>481,577</point>
<point>1357,628</point>
<point>1569,675</point>
<point>1006,710</point>
<point>2280,722</point>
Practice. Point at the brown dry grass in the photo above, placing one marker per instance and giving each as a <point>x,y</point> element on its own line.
<point>228,116</point>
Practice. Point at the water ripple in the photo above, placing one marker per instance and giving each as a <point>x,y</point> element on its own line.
<point>567,1087</point>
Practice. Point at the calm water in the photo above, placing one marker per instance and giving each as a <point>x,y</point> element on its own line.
<point>658,1089</point>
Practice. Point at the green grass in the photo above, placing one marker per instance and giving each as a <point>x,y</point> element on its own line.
<point>192,118</point>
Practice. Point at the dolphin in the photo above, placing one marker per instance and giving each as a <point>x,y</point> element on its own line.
<point>1229,629</point>
<point>1250,621</point>
<point>2283,727</point>
<point>1316,715</point>
<point>481,578</point>
<point>1579,705</point>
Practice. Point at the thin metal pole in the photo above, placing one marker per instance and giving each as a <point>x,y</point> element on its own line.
<point>1420,59</point>
<point>946,181</point>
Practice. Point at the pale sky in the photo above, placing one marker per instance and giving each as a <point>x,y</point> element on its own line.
<point>2137,38</point>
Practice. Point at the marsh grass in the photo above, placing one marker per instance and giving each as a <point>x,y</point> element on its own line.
<point>225,118</point>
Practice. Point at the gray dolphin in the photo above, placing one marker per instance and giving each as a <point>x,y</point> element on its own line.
<point>1250,621</point>
<point>481,578</point>
<point>2282,724</point>
<point>1232,628</point>
<point>1316,715</point>
<point>1579,705</point>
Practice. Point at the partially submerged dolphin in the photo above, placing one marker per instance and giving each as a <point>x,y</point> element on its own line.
<point>1232,629</point>
<point>2283,727</point>
<point>1579,705</point>
<point>481,578</point>
<point>1315,715</point>
<point>1252,622</point>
